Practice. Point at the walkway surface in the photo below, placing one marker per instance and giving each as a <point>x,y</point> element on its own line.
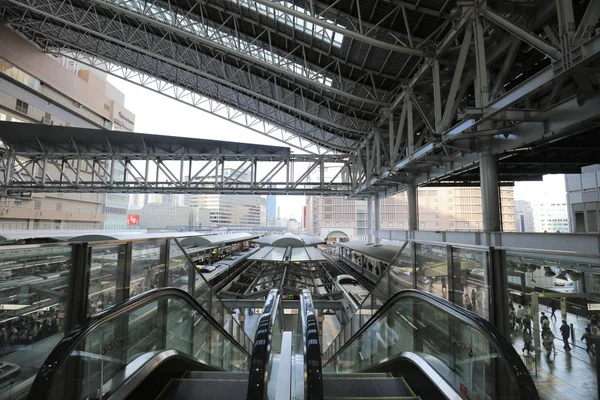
<point>565,375</point>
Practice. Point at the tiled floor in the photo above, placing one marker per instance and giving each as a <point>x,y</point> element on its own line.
<point>567,375</point>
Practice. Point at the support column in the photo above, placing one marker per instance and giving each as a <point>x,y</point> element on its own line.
<point>370,220</point>
<point>377,220</point>
<point>413,207</point>
<point>490,206</point>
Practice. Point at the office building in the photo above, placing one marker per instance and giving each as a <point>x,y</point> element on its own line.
<point>551,216</point>
<point>442,208</point>
<point>228,210</point>
<point>38,88</point>
<point>163,216</point>
<point>583,199</point>
<point>524,216</point>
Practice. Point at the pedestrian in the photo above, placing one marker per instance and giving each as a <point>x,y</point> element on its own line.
<point>544,321</point>
<point>474,299</point>
<point>468,303</point>
<point>527,342</point>
<point>554,308</point>
<point>520,314</point>
<point>548,342</point>
<point>527,323</point>
<point>565,332</point>
<point>512,318</point>
<point>589,342</point>
<point>444,286</point>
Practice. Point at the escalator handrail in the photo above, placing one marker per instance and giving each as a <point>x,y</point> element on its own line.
<point>261,352</point>
<point>313,371</point>
<point>522,375</point>
<point>42,384</point>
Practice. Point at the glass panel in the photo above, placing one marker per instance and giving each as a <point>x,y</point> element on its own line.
<point>460,353</point>
<point>401,274</point>
<point>106,283</point>
<point>147,266</point>
<point>432,269</point>
<point>178,273</point>
<point>564,285</point>
<point>33,290</point>
<point>471,286</point>
<point>163,323</point>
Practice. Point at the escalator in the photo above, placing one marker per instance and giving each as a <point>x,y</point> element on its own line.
<point>414,346</point>
<point>164,345</point>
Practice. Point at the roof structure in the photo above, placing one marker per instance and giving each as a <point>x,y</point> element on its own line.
<point>298,254</point>
<point>384,252</point>
<point>409,91</point>
<point>188,239</point>
<point>290,239</point>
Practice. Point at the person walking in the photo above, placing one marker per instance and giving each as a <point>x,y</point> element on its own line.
<point>548,343</point>
<point>589,342</point>
<point>565,332</point>
<point>527,323</point>
<point>527,342</point>
<point>520,314</point>
<point>444,284</point>
<point>554,308</point>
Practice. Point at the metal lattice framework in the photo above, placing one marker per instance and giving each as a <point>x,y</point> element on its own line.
<point>411,92</point>
<point>39,158</point>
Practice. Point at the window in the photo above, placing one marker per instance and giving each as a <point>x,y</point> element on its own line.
<point>337,224</point>
<point>437,224</point>
<point>347,224</point>
<point>437,208</point>
<point>437,216</point>
<point>47,118</point>
<point>390,224</point>
<point>106,107</point>
<point>452,216</point>
<point>422,224</point>
<point>326,223</point>
<point>22,106</point>
<point>466,224</point>
<point>451,224</point>
<point>58,206</point>
<point>401,224</point>
<point>477,225</point>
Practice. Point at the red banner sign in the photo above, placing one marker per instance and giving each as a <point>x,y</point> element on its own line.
<point>133,219</point>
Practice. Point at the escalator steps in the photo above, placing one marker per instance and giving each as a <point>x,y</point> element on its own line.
<point>211,385</point>
<point>363,386</point>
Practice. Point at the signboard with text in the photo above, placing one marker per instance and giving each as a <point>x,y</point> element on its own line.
<point>133,219</point>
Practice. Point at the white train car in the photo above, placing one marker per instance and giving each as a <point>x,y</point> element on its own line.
<point>352,290</point>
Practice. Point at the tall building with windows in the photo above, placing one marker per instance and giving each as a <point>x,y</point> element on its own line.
<point>442,208</point>
<point>38,88</point>
<point>583,199</point>
<point>222,209</point>
<point>271,210</point>
<point>524,216</point>
<point>551,216</point>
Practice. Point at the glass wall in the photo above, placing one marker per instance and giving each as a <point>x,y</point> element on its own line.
<point>34,286</point>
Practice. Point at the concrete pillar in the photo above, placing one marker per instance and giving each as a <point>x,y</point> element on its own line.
<point>413,207</point>
<point>377,220</point>
<point>490,206</point>
<point>370,220</point>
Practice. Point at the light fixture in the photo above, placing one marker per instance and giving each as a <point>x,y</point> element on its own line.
<point>522,268</point>
<point>561,275</point>
<point>531,267</point>
<point>549,273</point>
<point>574,275</point>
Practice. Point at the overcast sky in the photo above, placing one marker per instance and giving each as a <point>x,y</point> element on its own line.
<point>158,114</point>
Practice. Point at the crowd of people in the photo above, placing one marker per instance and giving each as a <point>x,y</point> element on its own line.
<point>28,329</point>
<point>521,321</point>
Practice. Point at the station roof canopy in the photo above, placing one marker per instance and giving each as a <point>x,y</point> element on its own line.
<point>289,239</point>
<point>54,236</point>
<point>277,254</point>
<point>385,252</point>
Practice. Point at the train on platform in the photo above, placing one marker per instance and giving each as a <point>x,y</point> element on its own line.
<point>352,290</point>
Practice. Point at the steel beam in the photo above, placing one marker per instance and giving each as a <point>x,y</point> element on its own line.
<point>521,33</point>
